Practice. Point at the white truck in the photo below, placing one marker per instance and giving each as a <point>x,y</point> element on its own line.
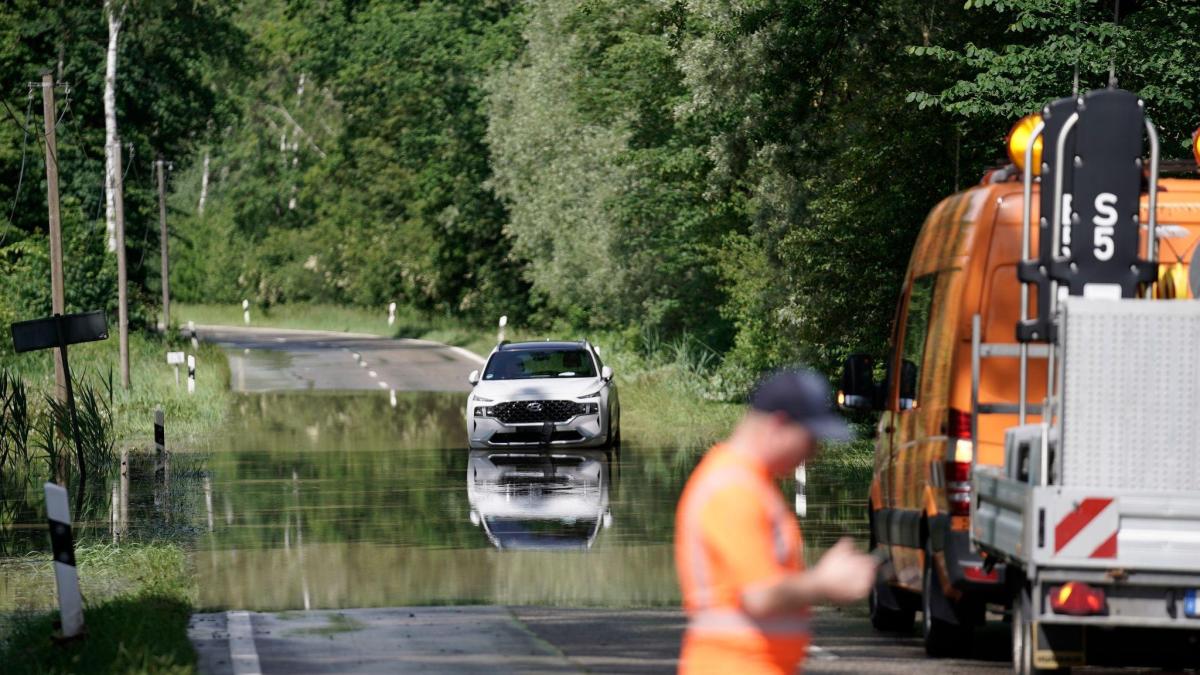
<point>1095,512</point>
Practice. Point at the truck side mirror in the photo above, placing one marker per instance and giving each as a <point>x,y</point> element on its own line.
<point>858,389</point>
<point>473,378</point>
<point>908,385</point>
<point>606,374</point>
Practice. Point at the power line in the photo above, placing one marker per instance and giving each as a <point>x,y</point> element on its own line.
<point>21,175</point>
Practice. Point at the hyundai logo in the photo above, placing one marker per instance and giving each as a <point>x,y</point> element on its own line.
<point>534,407</point>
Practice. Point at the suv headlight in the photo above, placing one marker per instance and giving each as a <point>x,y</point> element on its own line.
<point>594,394</point>
<point>590,408</point>
<point>483,411</point>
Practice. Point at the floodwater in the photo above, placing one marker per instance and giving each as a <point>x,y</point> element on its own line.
<point>333,500</point>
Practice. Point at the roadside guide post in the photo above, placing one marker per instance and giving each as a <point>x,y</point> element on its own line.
<point>500,334</point>
<point>175,359</point>
<point>192,331</point>
<point>246,311</point>
<point>162,463</point>
<point>66,577</point>
<point>191,364</point>
<point>59,331</point>
<point>391,313</point>
<point>801,491</point>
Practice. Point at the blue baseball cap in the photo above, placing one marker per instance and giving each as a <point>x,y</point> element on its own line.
<point>805,398</point>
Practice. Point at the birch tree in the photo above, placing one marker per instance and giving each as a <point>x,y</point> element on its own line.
<point>114,11</point>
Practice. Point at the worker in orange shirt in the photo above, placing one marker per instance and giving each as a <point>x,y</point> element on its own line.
<point>738,550</point>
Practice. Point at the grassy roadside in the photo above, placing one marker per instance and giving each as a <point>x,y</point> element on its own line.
<point>189,417</point>
<point>141,628</point>
<point>138,596</point>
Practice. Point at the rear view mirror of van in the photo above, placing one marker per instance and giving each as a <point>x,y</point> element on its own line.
<point>858,389</point>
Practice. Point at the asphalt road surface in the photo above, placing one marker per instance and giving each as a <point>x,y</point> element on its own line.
<point>541,640</point>
<point>279,359</point>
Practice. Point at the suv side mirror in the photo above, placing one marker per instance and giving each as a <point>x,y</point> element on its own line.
<point>473,378</point>
<point>858,389</point>
<point>606,374</point>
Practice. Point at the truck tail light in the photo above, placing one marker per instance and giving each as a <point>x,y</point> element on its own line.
<point>957,468</point>
<point>1077,599</point>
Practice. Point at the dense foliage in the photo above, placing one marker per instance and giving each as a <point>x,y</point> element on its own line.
<point>747,174</point>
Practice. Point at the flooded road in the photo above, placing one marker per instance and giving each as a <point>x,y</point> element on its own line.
<point>337,500</point>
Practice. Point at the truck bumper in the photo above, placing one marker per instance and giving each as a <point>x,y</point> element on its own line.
<point>965,569</point>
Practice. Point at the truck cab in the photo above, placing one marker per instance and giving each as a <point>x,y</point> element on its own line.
<point>968,361</point>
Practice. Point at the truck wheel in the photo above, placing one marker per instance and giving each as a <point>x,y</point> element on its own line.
<point>887,614</point>
<point>1022,636</point>
<point>945,634</point>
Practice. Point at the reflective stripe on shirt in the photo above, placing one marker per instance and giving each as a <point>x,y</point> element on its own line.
<point>733,621</point>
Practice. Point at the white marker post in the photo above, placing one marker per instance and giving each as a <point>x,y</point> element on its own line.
<point>246,311</point>
<point>192,332</point>
<point>391,313</point>
<point>175,359</point>
<point>801,491</point>
<point>500,333</point>
<point>191,364</point>
<point>66,577</point>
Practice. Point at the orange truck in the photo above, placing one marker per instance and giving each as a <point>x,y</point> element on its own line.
<point>1038,291</point>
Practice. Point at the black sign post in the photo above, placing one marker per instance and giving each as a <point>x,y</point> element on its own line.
<point>59,331</point>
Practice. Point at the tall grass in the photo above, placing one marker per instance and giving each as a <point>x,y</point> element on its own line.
<point>138,599</point>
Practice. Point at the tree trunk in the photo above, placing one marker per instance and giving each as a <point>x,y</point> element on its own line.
<point>203,186</point>
<point>114,11</point>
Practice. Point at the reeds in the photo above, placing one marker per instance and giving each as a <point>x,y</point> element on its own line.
<point>37,443</point>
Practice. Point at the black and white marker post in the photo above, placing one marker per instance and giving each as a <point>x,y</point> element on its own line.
<point>70,602</point>
<point>191,364</point>
<point>162,464</point>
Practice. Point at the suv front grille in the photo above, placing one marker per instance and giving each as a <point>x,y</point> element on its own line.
<point>524,412</point>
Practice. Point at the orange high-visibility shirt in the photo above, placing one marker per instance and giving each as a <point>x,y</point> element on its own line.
<point>734,532</point>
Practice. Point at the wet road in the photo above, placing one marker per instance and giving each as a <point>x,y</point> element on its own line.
<point>279,359</point>
<point>338,511</point>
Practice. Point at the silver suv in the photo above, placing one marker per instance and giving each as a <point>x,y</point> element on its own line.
<point>533,394</point>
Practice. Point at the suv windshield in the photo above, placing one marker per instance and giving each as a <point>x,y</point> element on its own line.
<point>527,364</point>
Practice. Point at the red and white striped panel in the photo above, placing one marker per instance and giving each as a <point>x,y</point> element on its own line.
<point>1089,531</point>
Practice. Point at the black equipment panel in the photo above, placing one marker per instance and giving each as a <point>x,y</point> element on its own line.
<point>1102,231</point>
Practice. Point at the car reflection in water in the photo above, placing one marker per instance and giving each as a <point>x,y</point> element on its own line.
<point>539,500</point>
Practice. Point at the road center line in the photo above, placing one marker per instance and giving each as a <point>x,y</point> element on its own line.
<point>243,656</point>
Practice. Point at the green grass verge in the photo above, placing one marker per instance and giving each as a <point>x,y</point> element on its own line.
<point>139,598</point>
<point>152,383</point>
<point>307,316</point>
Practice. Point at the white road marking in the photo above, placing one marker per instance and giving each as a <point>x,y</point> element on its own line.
<point>243,656</point>
<point>362,364</point>
<point>372,373</point>
<point>383,385</point>
<point>821,654</point>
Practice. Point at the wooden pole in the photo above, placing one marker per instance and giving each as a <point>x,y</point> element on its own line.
<point>50,115</point>
<point>122,281</point>
<point>162,233</point>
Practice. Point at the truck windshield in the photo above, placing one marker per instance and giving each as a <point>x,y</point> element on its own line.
<point>528,364</point>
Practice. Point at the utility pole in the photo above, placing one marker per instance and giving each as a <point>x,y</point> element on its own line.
<point>162,233</point>
<point>57,303</point>
<point>118,198</point>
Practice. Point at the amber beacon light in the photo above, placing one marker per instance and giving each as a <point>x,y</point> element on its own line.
<point>1018,141</point>
<point>1195,149</point>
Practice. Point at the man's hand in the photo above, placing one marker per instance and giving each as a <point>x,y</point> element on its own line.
<point>843,574</point>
